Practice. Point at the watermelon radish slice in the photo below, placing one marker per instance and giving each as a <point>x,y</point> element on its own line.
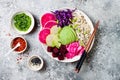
<point>50,24</point>
<point>43,34</point>
<point>47,17</point>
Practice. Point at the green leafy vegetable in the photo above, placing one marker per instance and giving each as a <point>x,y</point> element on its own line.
<point>22,21</point>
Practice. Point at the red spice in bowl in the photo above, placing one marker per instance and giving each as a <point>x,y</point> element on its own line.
<point>23,44</point>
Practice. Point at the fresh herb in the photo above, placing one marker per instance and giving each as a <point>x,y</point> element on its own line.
<point>22,22</point>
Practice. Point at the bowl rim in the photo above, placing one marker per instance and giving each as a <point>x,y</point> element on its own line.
<point>30,58</point>
<point>31,26</point>
<point>23,39</point>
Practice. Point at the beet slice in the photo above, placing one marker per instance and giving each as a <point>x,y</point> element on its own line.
<point>47,17</point>
<point>50,24</point>
<point>43,34</point>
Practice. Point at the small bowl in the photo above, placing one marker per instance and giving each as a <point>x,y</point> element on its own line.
<point>31,26</point>
<point>30,64</point>
<point>23,49</point>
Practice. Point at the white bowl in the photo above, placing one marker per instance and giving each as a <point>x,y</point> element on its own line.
<point>33,68</point>
<point>18,51</point>
<point>31,26</point>
<point>76,58</point>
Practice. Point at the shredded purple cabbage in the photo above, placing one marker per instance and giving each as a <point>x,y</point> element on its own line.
<point>64,17</point>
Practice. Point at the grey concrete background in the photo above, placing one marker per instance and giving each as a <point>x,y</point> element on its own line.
<point>103,62</point>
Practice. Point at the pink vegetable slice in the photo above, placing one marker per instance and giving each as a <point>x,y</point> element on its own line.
<point>73,47</point>
<point>50,24</point>
<point>70,55</point>
<point>47,17</point>
<point>43,34</point>
<point>80,50</point>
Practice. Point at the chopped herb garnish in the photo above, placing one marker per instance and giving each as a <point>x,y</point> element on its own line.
<point>22,21</point>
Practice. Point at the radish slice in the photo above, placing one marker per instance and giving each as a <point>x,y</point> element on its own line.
<point>74,49</point>
<point>50,24</point>
<point>80,50</point>
<point>43,34</point>
<point>70,55</point>
<point>47,17</point>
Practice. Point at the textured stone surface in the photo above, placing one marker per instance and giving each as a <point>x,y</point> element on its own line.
<point>103,62</point>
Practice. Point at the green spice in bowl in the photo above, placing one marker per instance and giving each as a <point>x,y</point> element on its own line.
<point>23,22</point>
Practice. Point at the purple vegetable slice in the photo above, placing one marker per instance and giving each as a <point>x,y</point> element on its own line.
<point>64,17</point>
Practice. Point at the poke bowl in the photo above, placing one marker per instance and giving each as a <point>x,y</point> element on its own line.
<point>64,34</point>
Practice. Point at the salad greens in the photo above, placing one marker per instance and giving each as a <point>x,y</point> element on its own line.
<point>22,21</point>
